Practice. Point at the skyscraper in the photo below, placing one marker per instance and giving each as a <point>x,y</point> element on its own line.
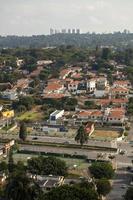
<point>63,31</point>
<point>69,31</point>
<point>78,31</point>
<point>51,31</point>
<point>73,31</point>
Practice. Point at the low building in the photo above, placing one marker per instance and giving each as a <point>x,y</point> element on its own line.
<point>19,62</point>
<point>119,92</point>
<point>9,95</point>
<point>100,93</point>
<point>3,178</point>
<point>46,183</point>
<point>8,114</point>
<point>120,102</point>
<point>122,83</point>
<point>54,88</point>
<point>44,62</point>
<point>102,83</point>
<point>64,73</point>
<point>55,115</point>
<point>114,116</point>
<point>91,85</point>
<point>73,86</point>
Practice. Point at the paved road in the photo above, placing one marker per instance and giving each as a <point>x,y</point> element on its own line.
<point>71,151</point>
<point>120,184</point>
<point>62,140</point>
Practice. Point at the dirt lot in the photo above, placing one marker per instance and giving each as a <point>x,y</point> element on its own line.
<point>106,134</point>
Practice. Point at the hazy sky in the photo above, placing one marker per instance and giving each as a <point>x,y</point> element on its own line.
<point>31,17</point>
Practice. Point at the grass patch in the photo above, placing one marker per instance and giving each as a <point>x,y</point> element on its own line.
<point>31,115</point>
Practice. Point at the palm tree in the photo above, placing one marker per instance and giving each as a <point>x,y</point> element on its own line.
<point>81,136</point>
<point>20,187</point>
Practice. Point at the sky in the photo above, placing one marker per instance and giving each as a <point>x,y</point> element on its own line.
<point>36,17</point>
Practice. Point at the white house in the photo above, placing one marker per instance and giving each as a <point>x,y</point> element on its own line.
<point>44,62</point>
<point>55,115</point>
<point>9,94</point>
<point>91,85</point>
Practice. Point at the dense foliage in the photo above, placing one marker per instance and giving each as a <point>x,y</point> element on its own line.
<point>76,192</point>
<point>47,165</point>
<point>88,39</point>
<point>20,187</point>
<point>101,170</point>
<point>23,131</point>
<point>81,136</point>
<point>103,187</point>
<point>129,194</point>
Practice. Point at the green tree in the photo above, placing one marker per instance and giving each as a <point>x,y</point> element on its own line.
<point>75,192</point>
<point>81,136</point>
<point>103,187</point>
<point>47,165</point>
<point>90,104</point>
<point>3,166</point>
<point>129,194</point>
<point>101,170</point>
<point>23,131</point>
<point>11,164</point>
<point>106,53</point>
<point>20,187</point>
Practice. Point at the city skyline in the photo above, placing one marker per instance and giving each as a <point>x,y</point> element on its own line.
<point>35,17</point>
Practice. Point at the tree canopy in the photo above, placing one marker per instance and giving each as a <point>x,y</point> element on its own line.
<point>47,165</point>
<point>101,170</point>
<point>72,193</point>
<point>81,136</point>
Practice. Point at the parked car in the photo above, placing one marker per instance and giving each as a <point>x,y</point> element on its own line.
<point>35,138</point>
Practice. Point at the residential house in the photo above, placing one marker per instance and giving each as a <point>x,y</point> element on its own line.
<point>54,88</point>
<point>9,94</point>
<point>90,115</point>
<point>96,116</point>
<point>82,88</point>
<point>55,115</point>
<point>101,93</point>
<point>121,83</point>
<point>102,83</point>
<point>120,102</point>
<point>91,85</point>
<point>73,86</point>
<point>119,92</point>
<point>115,116</point>
<point>64,73</point>
<point>19,62</point>
<point>22,84</point>
<point>44,62</point>
<point>3,178</point>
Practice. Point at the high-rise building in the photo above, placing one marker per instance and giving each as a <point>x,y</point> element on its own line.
<point>56,31</point>
<point>73,31</point>
<point>69,31</point>
<point>51,31</point>
<point>63,31</point>
<point>78,31</point>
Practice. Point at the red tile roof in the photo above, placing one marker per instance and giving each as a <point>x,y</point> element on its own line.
<point>53,86</point>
